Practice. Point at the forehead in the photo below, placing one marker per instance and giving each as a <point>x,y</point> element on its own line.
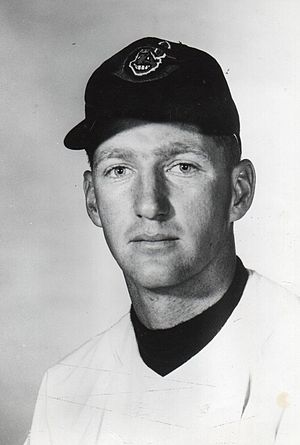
<point>159,140</point>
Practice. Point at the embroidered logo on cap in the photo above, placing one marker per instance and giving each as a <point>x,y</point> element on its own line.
<point>148,59</point>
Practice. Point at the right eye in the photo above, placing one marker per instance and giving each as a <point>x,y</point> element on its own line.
<point>118,171</point>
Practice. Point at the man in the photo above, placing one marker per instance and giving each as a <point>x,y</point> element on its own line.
<point>210,351</point>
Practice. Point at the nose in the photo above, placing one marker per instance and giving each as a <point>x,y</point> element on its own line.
<point>151,196</point>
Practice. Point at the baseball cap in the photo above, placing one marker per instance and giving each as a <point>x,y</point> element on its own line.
<point>159,81</point>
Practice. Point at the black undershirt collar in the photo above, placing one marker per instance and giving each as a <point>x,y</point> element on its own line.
<point>164,350</point>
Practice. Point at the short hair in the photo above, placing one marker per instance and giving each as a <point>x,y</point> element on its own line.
<point>90,154</point>
<point>232,149</point>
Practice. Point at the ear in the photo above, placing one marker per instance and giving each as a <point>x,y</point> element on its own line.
<point>90,198</point>
<point>243,186</point>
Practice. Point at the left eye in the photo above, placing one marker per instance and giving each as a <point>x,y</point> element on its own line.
<point>182,168</point>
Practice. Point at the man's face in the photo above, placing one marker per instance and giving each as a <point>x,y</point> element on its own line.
<point>162,194</point>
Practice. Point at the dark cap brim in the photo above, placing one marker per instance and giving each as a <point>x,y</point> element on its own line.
<point>80,136</point>
<point>89,134</point>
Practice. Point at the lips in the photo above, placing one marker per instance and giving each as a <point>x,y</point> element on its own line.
<point>161,243</point>
<point>155,238</point>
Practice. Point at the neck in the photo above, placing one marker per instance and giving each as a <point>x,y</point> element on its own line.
<point>169,306</point>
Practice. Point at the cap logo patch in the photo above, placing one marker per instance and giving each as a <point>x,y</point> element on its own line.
<point>148,59</point>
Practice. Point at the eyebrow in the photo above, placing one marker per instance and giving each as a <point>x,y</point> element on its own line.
<point>164,152</point>
<point>120,153</point>
<point>177,148</point>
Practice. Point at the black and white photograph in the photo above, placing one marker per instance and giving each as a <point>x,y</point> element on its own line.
<point>150,247</point>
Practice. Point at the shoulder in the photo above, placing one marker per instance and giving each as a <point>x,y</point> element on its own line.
<point>266,322</point>
<point>77,383</point>
<point>271,300</point>
<point>273,321</point>
<point>271,306</point>
<point>99,354</point>
<point>273,333</point>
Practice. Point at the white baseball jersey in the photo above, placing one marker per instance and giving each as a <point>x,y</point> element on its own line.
<point>243,388</point>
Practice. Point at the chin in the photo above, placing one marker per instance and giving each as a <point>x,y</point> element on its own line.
<point>154,277</point>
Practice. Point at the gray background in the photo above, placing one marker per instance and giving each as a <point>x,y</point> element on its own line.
<point>59,285</point>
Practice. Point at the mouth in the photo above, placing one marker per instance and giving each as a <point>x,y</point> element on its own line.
<point>155,238</point>
<point>159,242</point>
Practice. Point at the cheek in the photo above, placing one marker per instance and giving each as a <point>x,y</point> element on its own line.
<point>114,210</point>
<point>109,204</point>
<point>197,202</point>
<point>206,211</point>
